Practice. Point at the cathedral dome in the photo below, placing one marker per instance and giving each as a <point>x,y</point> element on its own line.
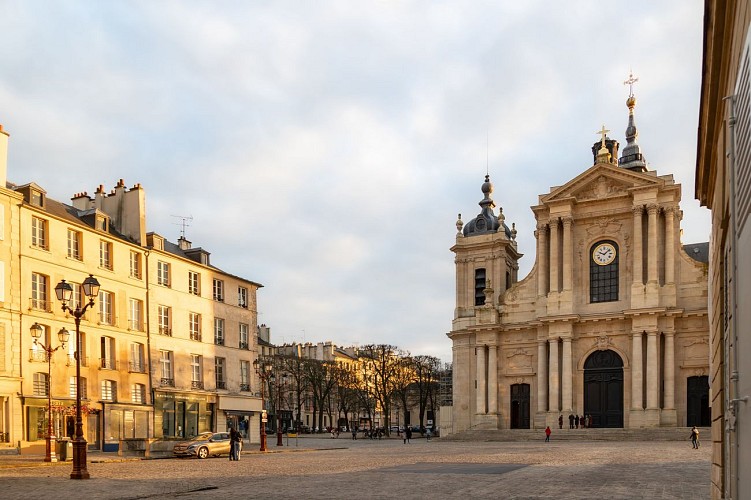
<point>486,221</point>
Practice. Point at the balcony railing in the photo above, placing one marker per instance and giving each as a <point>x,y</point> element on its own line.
<point>221,384</point>
<point>108,364</point>
<point>196,384</point>
<point>243,345</point>
<point>40,305</point>
<point>165,330</point>
<point>167,382</point>
<point>245,387</point>
<point>195,336</point>
<point>37,355</point>
<point>219,340</point>
<point>72,360</point>
<point>107,319</point>
<point>136,367</point>
<point>135,325</point>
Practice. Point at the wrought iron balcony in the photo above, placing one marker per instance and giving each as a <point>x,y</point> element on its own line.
<point>165,330</point>
<point>195,336</point>
<point>167,382</point>
<point>196,384</point>
<point>135,325</point>
<point>245,387</point>
<point>37,355</point>
<point>221,384</point>
<point>108,364</point>
<point>243,345</point>
<point>40,305</point>
<point>136,367</point>
<point>72,360</point>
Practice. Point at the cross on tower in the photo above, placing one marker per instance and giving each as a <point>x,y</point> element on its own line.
<point>603,132</point>
<point>630,82</point>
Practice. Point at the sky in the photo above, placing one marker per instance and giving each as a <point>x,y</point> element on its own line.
<point>324,149</point>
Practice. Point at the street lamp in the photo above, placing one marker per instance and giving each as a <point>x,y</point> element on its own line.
<point>263,371</point>
<point>64,292</point>
<point>62,335</point>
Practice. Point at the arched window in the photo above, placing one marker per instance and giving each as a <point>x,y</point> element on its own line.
<point>603,271</point>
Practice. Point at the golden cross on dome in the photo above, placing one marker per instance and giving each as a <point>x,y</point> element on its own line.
<point>630,82</point>
<point>603,132</point>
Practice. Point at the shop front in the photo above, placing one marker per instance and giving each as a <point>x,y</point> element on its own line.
<point>241,413</point>
<point>63,421</point>
<point>124,422</point>
<point>181,415</point>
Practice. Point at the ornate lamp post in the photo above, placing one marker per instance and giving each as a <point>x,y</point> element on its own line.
<point>263,371</point>
<point>64,292</point>
<point>62,335</point>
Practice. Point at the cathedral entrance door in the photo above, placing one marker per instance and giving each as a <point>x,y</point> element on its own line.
<point>697,402</point>
<point>603,389</point>
<point>520,406</point>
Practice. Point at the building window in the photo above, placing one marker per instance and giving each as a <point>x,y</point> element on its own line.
<point>72,349</point>
<point>74,244</point>
<point>37,198</point>
<point>137,364</point>
<point>105,254</point>
<point>244,336</point>
<point>41,384</point>
<point>162,273</point>
<point>244,375</point>
<point>109,390</point>
<point>242,297</point>
<point>106,308</point>
<point>72,388</point>
<point>196,370</point>
<point>165,363</point>
<point>138,393</point>
<point>38,232</point>
<point>194,320</point>
<point>218,331</point>
<point>194,283</point>
<point>135,264</point>
<point>75,298</point>
<point>135,315</point>
<point>480,287</point>
<point>108,353</point>
<point>39,290</point>
<point>219,365</point>
<point>603,272</point>
<point>101,223</point>
<point>164,314</point>
<point>219,290</point>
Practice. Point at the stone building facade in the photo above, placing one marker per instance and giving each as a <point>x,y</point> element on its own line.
<point>610,322</point>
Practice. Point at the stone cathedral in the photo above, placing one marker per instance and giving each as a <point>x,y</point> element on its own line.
<point>611,321</point>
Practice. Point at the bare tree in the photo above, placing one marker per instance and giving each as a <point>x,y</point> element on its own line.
<point>385,361</point>
<point>426,370</point>
<point>293,366</point>
<point>321,377</point>
<point>402,380</point>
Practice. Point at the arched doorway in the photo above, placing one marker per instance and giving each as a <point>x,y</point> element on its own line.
<point>698,411</point>
<point>520,406</point>
<point>603,389</point>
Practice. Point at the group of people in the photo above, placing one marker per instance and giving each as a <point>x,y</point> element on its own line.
<point>235,444</point>
<point>575,421</point>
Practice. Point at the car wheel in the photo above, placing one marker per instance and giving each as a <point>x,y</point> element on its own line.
<point>203,452</point>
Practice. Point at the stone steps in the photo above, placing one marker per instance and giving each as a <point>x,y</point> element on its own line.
<point>516,435</point>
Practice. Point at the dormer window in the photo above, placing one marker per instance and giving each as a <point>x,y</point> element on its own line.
<point>102,223</point>
<point>36,198</point>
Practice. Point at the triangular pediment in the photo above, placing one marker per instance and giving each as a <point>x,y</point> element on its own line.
<point>602,181</point>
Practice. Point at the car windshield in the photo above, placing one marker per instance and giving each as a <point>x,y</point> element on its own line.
<point>203,437</point>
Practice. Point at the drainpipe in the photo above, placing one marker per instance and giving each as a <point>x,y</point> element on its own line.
<point>148,340</point>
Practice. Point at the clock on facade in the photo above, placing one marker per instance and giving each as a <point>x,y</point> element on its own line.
<point>603,254</point>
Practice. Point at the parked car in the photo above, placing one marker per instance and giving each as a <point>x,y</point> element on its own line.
<point>204,445</point>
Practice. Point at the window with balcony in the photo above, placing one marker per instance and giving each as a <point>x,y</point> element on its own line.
<point>138,393</point>
<point>109,390</point>
<point>39,292</point>
<point>74,244</point>
<point>244,375</point>
<point>108,351</point>
<point>219,290</point>
<point>41,384</point>
<point>194,283</point>
<point>194,324</point>
<point>163,273</point>
<point>135,264</point>
<point>242,297</point>
<point>218,331</point>
<point>106,308</point>
<point>165,364</point>
<point>72,388</point>
<point>164,316</point>
<point>137,362</point>
<point>196,370</point>
<point>72,349</point>
<point>105,254</point>
<point>135,315</point>
<point>219,365</point>
<point>244,336</point>
<point>39,232</point>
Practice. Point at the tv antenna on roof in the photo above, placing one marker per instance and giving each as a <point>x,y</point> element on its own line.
<point>184,222</point>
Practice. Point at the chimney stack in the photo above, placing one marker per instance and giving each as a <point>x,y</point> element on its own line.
<point>3,157</point>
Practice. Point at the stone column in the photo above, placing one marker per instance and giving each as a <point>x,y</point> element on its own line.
<point>568,253</point>
<point>653,374</point>
<point>554,284</point>
<point>481,381</point>
<point>542,259</point>
<point>638,245</point>
<point>669,246</point>
<point>542,376</point>
<point>492,379</point>
<point>637,375</point>
<point>553,377</point>
<point>566,377</point>
<point>669,370</point>
<point>652,244</point>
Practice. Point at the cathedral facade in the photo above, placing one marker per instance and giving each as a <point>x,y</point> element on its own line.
<point>611,322</point>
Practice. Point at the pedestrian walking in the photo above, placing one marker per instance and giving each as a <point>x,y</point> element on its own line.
<point>354,433</point>
<point>547,434</point>
<point>560,421</point>
<point>695,437</point>
<point>571,421</point>
<point>407,434</point>
<point>428,434</point>
<point>234,444</point>
<point>576,421</point>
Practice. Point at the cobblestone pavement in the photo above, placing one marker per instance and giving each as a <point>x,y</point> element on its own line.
<point>342,468</point>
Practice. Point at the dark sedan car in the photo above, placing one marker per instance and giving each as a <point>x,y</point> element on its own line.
<point>204,445</point>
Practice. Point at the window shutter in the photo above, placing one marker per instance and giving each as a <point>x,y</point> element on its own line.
<point>742,164</point>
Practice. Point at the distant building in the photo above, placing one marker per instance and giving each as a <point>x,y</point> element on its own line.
<point>610,322</point>
<point>723,184</point>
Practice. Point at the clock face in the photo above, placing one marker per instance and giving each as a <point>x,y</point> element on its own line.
<point>603,254</point>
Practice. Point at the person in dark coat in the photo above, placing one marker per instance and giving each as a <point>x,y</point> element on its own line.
<point>234,444</point>
<point>576,421</point>
<point>560,421</point>
<point>407,434</point>
<point>571,421</point>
